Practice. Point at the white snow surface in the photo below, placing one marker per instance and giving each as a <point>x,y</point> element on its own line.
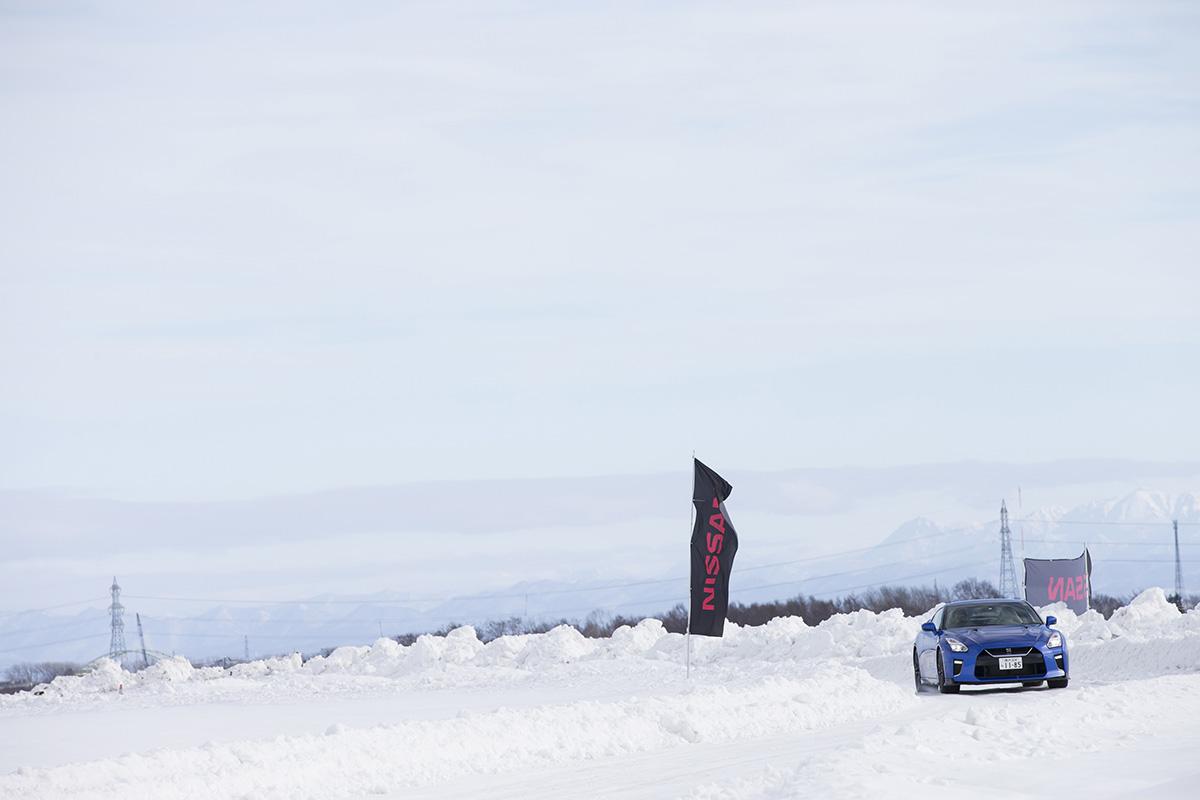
<point>781,710</point>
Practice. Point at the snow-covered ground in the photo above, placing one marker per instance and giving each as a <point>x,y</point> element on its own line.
<point>782,710</point>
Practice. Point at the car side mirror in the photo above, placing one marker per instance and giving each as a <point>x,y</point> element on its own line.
<point>1051,620</point>
<point>929,627</point>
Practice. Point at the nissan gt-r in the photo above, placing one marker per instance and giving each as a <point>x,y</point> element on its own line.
<point>977,642</point>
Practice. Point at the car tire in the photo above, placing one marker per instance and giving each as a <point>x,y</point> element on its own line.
<point>1030,684</point>
<point>920,686</point>
<point>943,686</point>
<point>1057,683</point>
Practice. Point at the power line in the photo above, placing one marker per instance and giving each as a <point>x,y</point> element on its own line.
<point>238,635</point>
<point>876,583</point>
<point>505,595</point>
<point>51,644</point>
<point>283,602</point>
<point>535,592</point>
<point>418,618</point>
<point>607,587</point>
<point>245,622</point>
<point>579,589</point>
<point>739,590</point>
<point>60,626</point>
<point>675,599</point>
<point>651,582</point>
<point>1143,561</point>
<point>1123,543</point>
<point>742,589</point>
<point>906,578</point>
<point>585,589</point>
<point>52,608</point>
<point>1150,524</point>
<point>849,572</point>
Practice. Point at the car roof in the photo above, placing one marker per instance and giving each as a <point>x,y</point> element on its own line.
<point>982,601</point>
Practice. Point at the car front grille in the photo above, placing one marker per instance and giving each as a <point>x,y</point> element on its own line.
<point>987,665</point>
<point>1005,652</point>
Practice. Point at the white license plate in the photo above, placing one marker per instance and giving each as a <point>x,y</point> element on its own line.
<point>1010,663</point>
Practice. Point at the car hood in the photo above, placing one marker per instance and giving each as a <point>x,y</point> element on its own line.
<point>999,634</point>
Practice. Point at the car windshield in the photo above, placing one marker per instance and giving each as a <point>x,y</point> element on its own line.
<point>979,615</point>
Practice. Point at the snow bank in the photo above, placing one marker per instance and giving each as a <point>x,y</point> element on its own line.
<point>107,675</point>
<point>461,647</point>
<point>1149,636</point>
<point>349,762</point>
<point>268,666</point>
<point>1148,616</point>
<point>578,699</point>
<point>862,634</point>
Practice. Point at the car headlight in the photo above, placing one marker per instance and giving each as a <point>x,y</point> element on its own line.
<point>1055,640</point>
<point>956,645</point>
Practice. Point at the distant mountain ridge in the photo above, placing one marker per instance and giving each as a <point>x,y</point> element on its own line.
<point>1131,540</point>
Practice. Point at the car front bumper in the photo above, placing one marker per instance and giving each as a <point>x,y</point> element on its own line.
<point>981,665</point>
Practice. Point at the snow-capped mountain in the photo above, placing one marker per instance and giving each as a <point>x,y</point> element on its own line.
<point>1131,539</point>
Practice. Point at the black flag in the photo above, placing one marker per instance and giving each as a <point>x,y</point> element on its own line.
<point>714,544</point>
<point>1060,580</point>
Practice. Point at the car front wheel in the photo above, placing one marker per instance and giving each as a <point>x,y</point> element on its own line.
<point>1057,683</point>
<point>943,686</point>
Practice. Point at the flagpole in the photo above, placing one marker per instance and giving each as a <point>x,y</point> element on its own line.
<point>687,632</point>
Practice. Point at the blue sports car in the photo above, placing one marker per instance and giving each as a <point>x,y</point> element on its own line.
<point>989,641</point>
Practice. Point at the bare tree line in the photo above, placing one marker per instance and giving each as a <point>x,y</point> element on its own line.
<point>29,674</point>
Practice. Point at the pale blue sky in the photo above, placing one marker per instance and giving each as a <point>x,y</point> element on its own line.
<point>293,248</point>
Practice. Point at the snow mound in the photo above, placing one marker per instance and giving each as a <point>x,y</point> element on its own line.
<point>1148,616</point>
<point>268,666</point>
<point>1149,636</point>
<point>356,762</point>
<point>168,670</point>
<point>107,675</point>
<point>861,634</point>
<point>1089,626</point>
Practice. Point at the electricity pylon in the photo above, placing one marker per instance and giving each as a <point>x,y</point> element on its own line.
<point>1008,572</point>
<point>1178,569</point>
<point>116,645</point>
